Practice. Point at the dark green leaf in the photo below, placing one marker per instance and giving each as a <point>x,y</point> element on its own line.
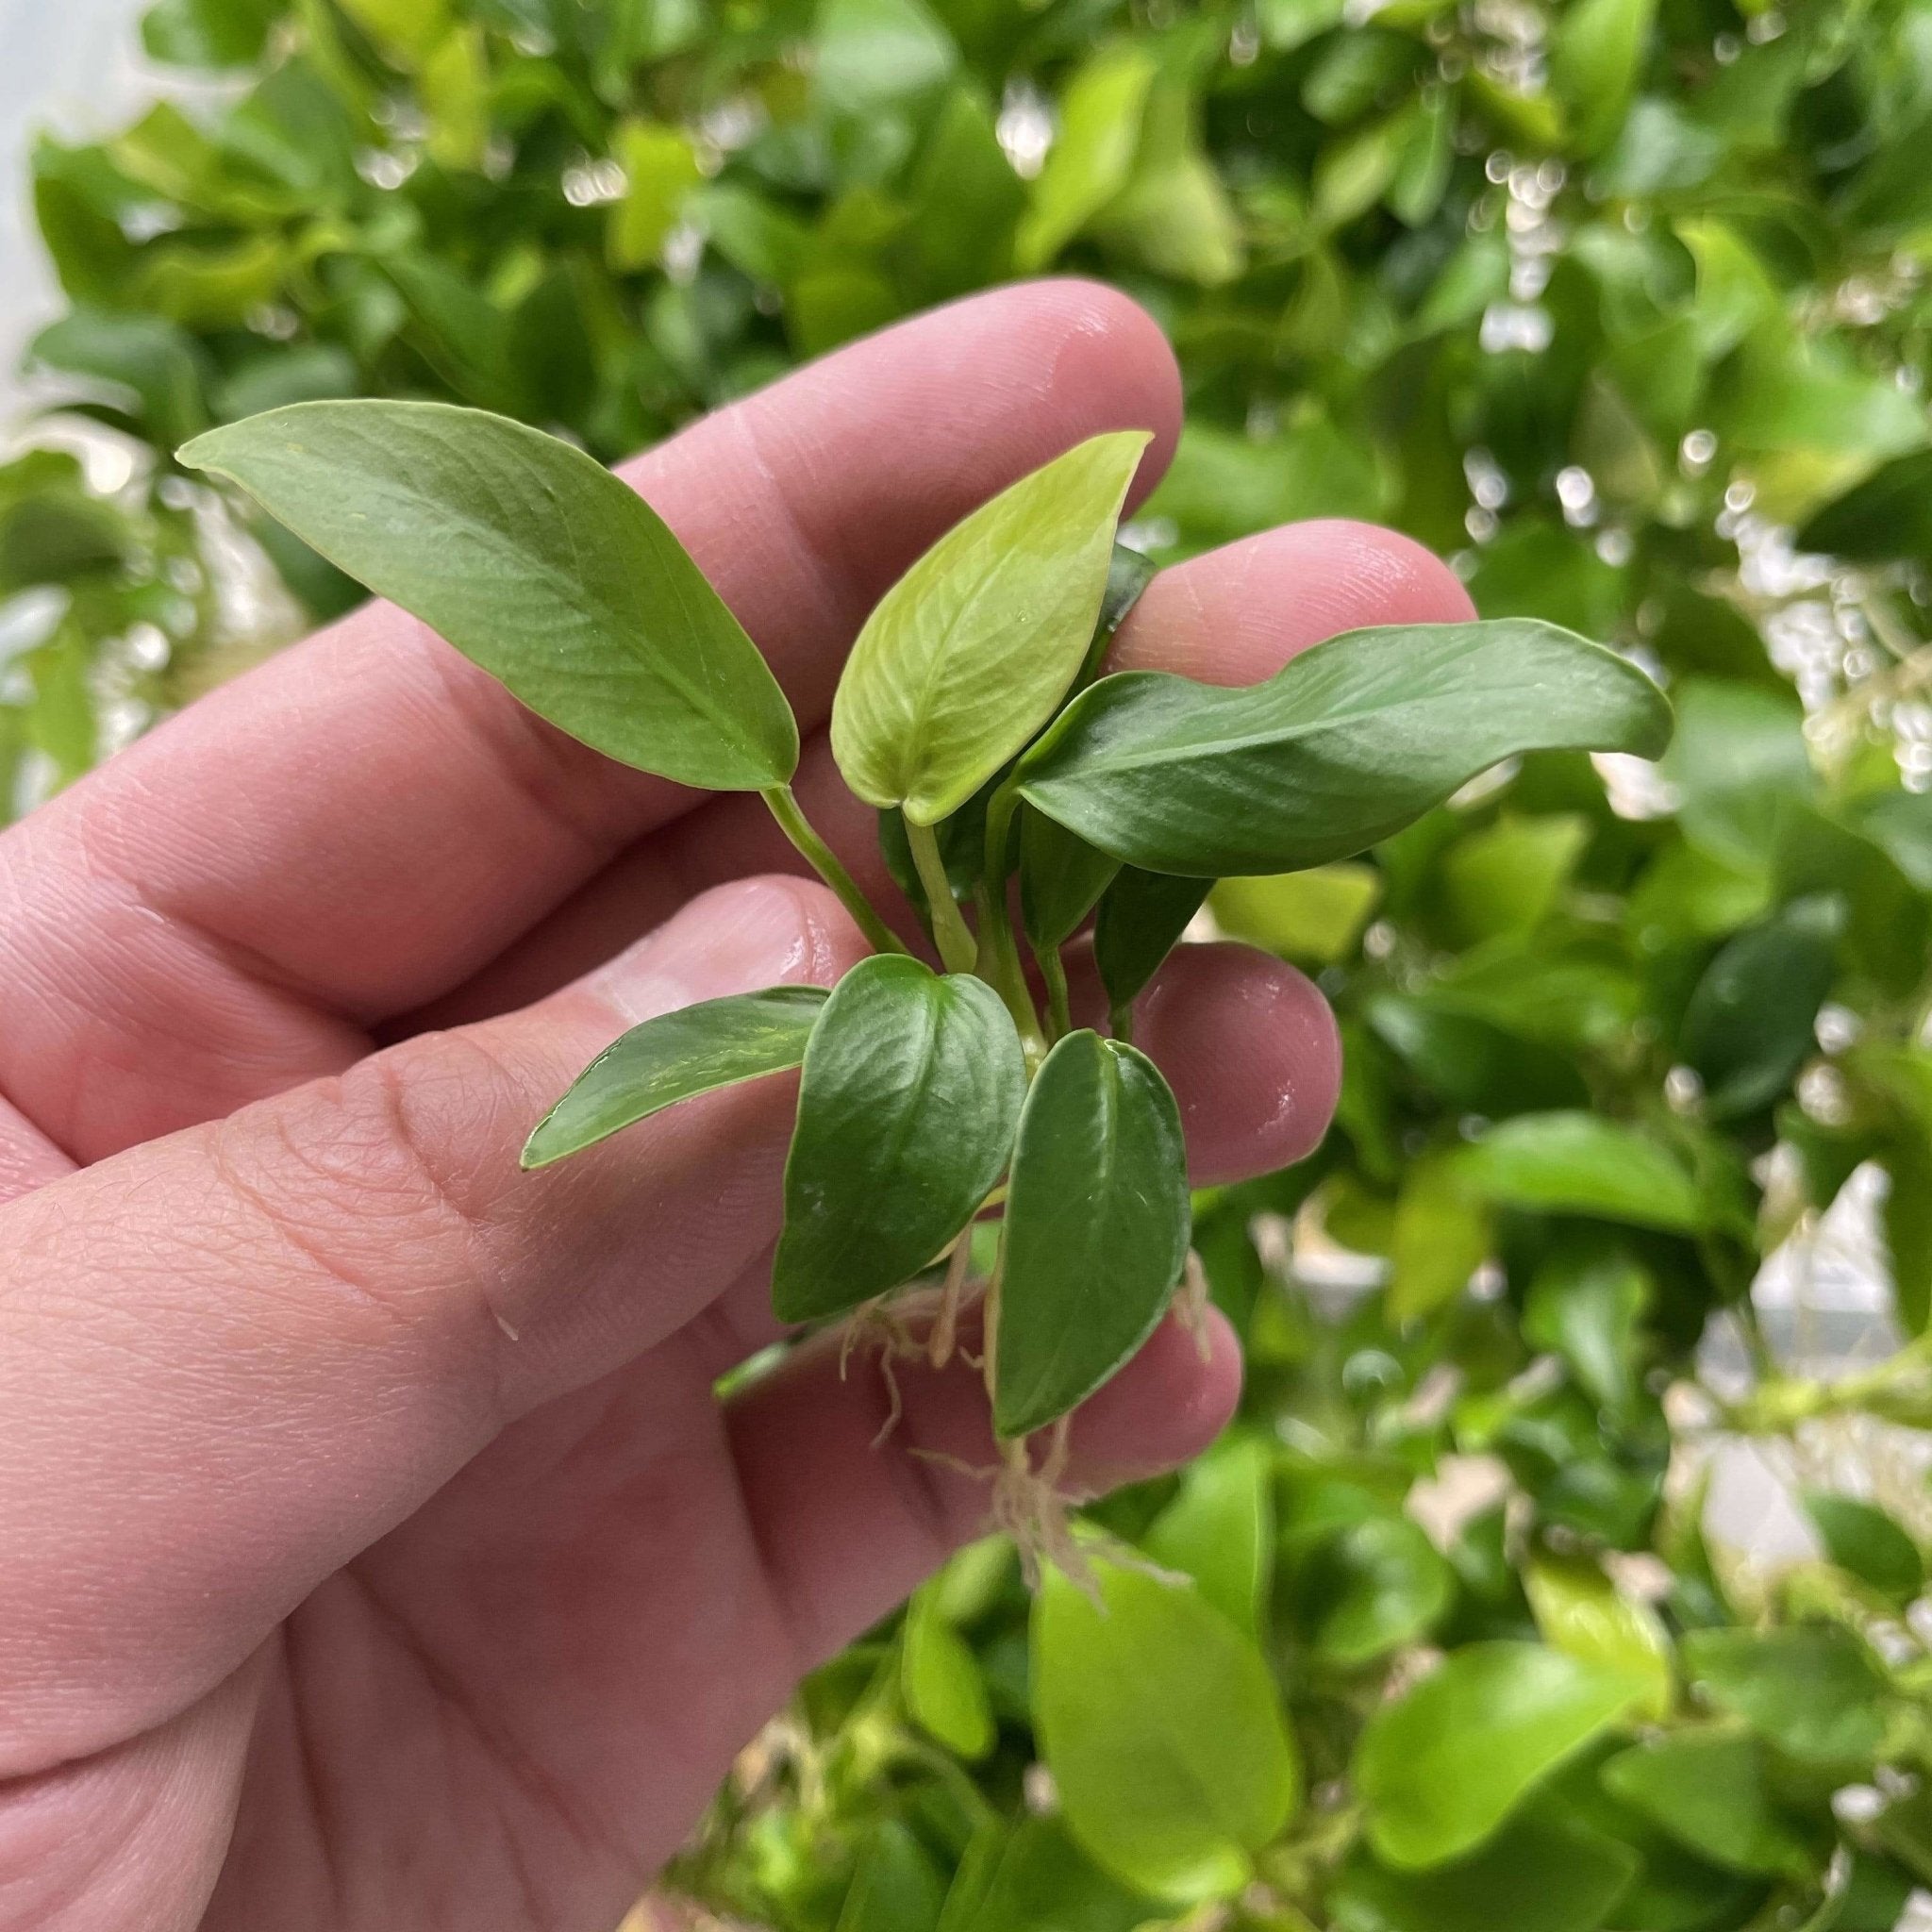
<point>1061,877</point>
<point>1860,1538</point>
<point>1350,743</point>
<point>535,561</point>
<point>1378,1584</point>
<point>714,1043</point>
<point>1096,1230</point>
<point>906,1111</point>
<point>1889,514</point>
<point>1141,917</point>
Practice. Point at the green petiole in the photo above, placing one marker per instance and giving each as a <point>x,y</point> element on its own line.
<point>784,807</point>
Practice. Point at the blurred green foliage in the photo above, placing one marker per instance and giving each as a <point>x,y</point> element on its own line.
<point>1624,303</point>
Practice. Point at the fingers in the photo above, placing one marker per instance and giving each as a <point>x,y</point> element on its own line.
<point>1232,616</point>
<point>849,1525</point>
<point>364,822</point>
<point>1238,615</point>
<point>232,1358</point>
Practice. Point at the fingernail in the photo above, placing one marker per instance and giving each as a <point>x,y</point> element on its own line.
<point>733,939</point>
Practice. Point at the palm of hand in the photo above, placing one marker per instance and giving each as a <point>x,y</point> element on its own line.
<point>372,1548</point>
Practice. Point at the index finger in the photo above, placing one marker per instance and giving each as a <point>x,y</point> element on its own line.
<point>366,820</point>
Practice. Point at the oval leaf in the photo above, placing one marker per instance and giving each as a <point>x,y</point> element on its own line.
<point>968,654</point>
<point>1162,1727</point>
<point>714,1043</point>
<point>939,1679</point>
<point>906,1116</point>
<point>1096,1232</point>
<point>534,561</point>
<point>1814,1690</point>
<point>1575,1163</point>
<point>1347,744</point>
<point>1441,1767</point>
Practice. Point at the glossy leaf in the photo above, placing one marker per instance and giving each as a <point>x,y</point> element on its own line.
<point>1062,879</point>
<point>1096,1228</point>
<point>1441,1767</point>
<point>1347,744</point>
<point>536,562</point>
<point>965,657</point>
<point>1092,158</point>
<point>1577,1163</point>
<point>907,1110</point>
<point>1812,1689</point>
<point>1160,1724</point>
<point>693,1050</point>
<point>1142,918</point>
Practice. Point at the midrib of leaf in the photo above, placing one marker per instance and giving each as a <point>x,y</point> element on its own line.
<point>571,590</point>
<point>1104,1170</point>
<point>1288,735</point>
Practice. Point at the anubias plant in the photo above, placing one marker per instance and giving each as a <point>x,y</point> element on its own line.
<point>973,716</point>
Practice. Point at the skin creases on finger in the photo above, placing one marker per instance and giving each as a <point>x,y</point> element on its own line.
<point>238,1355</point>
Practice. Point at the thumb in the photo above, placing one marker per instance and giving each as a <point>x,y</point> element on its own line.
<point>237,1356</point>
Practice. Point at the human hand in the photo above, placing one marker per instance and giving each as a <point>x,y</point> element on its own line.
<point>373,1550</point>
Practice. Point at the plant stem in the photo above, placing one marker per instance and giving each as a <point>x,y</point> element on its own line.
<point>999,965</point>
<point>1053,969</point>
<point>792,822</point>
<point>951,934</point>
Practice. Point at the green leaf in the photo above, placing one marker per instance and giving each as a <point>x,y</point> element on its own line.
<point>1539,1874</point>
<point>1738,753</point>
<point>1509,877</point>
<point>404,30</point>
<point>1313,918</point>
<point>661,174</point>
<point>1578,1609</point>
<point>907,1110</point>
<point>1378,1585</point>
<point>1097,1229</point>
<point>1586,1304</point>
<point>1749,1026</point>
<point>1887,515</point>
<point>968,654</point>
<point>1061,877</point>
<point>455,90</point>
<point>1440,1768</point>
<point>1864,1541</point>
<point>1219,1529</point>
<point>874,52</point>
<point>939,1676</point>
<point>1811,1689</point>
<point>1161,1724</point>
<point>1709,1791</point>
<point>1594,59</point>
<point>1347,744</point>
<point>895,1886</point>
<point>714,1043</point>
<point>533,561</point>
<point>207,33</point>
<point>1442,1236</point>
<point>1142,918</point>
<point>1035,1878</point>
<point>1577,1163</point>
<point>1091,161</point>
<point>153,370</point>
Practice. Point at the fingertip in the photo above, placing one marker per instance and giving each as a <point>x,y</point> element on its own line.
<point>1238,615</point>
<point>1252,1052</point>
<point>1114,364</point>
<point>1166,1406</point>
